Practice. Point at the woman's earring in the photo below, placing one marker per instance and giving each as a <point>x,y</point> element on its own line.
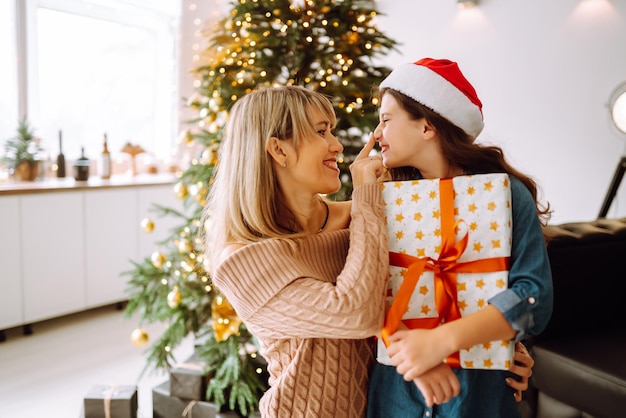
<point>285,163</point>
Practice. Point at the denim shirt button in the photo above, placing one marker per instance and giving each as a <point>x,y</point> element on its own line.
<point>532,300</point>
<point>427,413</point>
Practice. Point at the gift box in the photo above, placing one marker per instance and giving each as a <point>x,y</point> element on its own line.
<point>189,380</point>
<point>449,244</point>
<point>166,406</point>
<point>111,401</point>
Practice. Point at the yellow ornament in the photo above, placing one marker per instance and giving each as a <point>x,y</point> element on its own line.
<point>180,190</point>
<point>174,297</point>
<point>184,246</point>
<point>226,322</point>
<point>158,258</point>
<point>139,337</point>
<point>147,225</point>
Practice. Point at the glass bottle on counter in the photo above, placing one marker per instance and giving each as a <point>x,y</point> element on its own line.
<point>81,167</point>
<point>60,158</point>
<point>105,171</point>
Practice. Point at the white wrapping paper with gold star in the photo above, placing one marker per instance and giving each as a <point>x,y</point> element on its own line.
<point>449,249</point>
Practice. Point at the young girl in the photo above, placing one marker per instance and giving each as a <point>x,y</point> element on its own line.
<point>430,116</point>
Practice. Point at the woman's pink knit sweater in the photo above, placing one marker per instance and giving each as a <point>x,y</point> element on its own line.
<point>313,306</point>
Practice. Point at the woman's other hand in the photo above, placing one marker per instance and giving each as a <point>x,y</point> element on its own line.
<point>523,367</point>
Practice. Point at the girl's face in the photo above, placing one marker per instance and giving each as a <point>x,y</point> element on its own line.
<point>316,167</point>
<point>401,138</point>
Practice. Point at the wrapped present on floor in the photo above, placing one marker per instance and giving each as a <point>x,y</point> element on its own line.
<point>166,406</point>
<point>449,244</point>
<point>111,401</point>
<point>188,380</point>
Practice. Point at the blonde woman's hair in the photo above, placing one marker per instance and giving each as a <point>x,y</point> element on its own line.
<point>244,199</point>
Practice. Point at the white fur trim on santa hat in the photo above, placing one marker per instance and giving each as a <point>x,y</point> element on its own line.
<point>435,92</point>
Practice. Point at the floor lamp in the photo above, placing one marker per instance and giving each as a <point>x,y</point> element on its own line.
<point>617,109</point>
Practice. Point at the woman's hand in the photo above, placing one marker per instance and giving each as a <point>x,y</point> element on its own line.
<point>438,385</point>
<point>366,169</point>
<point>523,367</point>
<point>416,351</point>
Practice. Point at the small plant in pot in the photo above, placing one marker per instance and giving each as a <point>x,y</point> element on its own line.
<point>20,152</point>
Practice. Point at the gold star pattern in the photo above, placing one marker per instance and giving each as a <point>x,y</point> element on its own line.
<point>437,232</point>
<point>473,226</point>
<point>436,214</point>
<point>419,235</point>
<point>494,226</point>
<point>481,303</point>
<point>500,284</point>
<point>472,207</point>
<point>421,252</point>
<point>425,309</point>
<point>397,184</point>
<point>462,305</point>
<point>471,190</point>
<point>417,216</point>
<point>399,217</point>
<point>432,195</point>
<point>488,186</point>
<point>487,345</point>
<point>415,197</point>
<point>478,247</point>
<point>487,363</point>
<point>461,287</point>
<point>480,283</point>
<point>423,290</point>
<point>495,243</point>
<point>399,201</point>
<point>492,206</point>
<point>469,364</point>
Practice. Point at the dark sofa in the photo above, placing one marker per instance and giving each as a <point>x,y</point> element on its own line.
<point>580,359</point>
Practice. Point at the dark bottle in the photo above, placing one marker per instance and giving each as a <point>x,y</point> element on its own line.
<point>60,158</point>
<point>81,167</point>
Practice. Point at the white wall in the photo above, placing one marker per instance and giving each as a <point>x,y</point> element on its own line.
<point>544,71</point>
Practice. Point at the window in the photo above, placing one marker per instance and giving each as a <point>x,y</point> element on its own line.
<point>8,72</point>
<point>102,66</point>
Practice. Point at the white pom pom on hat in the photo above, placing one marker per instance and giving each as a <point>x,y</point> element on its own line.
<point>439,85</point>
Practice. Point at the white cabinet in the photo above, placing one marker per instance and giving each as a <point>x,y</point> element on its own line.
<point>66,251</point>
<point>111,241</point>
<point>11,311</point>
<point>53,254</point>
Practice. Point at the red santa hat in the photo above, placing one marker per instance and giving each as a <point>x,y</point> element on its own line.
<point>439,85</point>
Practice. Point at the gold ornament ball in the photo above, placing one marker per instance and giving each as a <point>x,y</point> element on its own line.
<point>139,337</point>
<point>158,258</point>
<point>147,225</point>
<point>180,190</point>
<point>174,297</point>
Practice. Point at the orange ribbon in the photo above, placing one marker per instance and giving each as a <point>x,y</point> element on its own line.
<point>445,269</point>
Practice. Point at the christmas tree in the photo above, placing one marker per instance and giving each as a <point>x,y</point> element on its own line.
<point>330,46</point>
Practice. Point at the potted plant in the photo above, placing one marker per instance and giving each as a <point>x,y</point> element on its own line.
<point>20,152</point>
